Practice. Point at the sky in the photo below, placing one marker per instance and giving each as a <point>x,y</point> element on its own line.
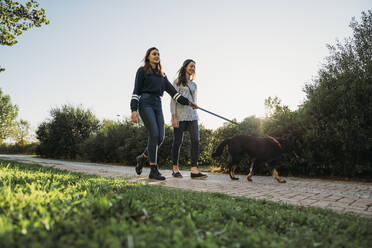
<point>245,51</point>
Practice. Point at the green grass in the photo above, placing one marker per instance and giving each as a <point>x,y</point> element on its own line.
<point>43,207</point>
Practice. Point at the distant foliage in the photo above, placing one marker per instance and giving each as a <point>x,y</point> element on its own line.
<point>115,142</point>
<point>122,142</point>
<point>8,115</point>
<point>29,148</point>
<point>63,134</point>
<point>21,132</point>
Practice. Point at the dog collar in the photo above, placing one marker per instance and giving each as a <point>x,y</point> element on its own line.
<point>277,142</point>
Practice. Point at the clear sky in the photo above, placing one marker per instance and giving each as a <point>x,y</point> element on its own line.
<point>245,51</point>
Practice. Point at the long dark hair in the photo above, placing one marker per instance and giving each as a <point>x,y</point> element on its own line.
<point>181,79</point>
<point>147,67</point>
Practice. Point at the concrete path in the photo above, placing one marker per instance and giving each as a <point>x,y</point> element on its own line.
<point>342,196</point>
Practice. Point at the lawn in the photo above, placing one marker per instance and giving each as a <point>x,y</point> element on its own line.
<point>44,207</point>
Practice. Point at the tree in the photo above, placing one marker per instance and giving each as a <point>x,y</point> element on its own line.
<point>339,103</point>
<point>21,133</point>
<point>272,106</point>
<point>333,127</point>
<point>8,114</point>
<point>62,135</point>
<point>16,18</point>
<point>280,120</point>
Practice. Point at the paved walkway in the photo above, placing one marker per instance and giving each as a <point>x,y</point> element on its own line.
<point>342,196</point>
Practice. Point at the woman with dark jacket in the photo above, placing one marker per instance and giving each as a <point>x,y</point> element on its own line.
<point>150,84</point>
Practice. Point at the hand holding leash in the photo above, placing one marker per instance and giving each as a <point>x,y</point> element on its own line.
<point>193,105</point>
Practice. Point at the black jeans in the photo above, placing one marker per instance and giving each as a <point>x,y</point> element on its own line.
<point>193,128</point>
<point>152,117</point>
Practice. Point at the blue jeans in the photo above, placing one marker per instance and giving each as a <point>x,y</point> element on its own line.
<point>152,117</point>
<point>193,128</point>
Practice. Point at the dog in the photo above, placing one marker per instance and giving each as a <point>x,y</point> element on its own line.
<point>260,150</point>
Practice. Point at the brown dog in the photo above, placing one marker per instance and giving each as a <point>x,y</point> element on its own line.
<point>260,150</point>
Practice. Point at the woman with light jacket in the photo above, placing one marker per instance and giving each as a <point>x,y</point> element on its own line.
<point>185,118</point>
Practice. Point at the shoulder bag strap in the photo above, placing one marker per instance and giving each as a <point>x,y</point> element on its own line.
<point>191,93</point>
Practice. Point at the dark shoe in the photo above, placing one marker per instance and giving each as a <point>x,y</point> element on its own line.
<point>155,174</point>
<point>177,174</point>
<point>198,176</point>
<point>141,160</point>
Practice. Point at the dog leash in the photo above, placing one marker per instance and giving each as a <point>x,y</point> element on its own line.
<point>243,126</point>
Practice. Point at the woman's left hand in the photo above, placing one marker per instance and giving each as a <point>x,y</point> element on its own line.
<point>134,117</point>
<point>175,122</point>
<point>193,105</point>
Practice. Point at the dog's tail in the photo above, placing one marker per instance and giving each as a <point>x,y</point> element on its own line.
<point>220,147</point>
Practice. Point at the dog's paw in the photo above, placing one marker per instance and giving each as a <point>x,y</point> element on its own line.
<point>250,180</point>
<point>282,181</point>
<point>234,178</point>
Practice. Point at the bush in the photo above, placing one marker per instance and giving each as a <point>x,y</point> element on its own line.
<point>61,136</point>
<point>19,149</point>
<point>122,142</point>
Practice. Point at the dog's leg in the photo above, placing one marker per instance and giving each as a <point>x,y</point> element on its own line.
<point>251,171</point>
<point>276,176</point>
<point>234,160</point>
<point>232,173</point>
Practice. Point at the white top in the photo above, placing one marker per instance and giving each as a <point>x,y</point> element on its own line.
<point>185,112</point>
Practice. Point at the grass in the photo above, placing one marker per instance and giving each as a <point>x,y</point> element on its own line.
<point>44,207</point>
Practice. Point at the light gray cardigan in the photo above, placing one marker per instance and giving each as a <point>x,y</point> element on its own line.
<point>185,112</point>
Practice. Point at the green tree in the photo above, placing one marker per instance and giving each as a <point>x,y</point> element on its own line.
<point>272,106</point>
<point>65,132</point>
<point>116,142</point>
<point>8,114</point>
<point>16,18</point>
<point>280,120</point>
<point>21,133</point>
<point>333,127</point>
<point>339,104</point>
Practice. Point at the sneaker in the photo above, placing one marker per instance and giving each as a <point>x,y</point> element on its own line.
<point>141,160</point>
<point>155,174</point>
<point>198,175</point>
<point>177,174</point>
